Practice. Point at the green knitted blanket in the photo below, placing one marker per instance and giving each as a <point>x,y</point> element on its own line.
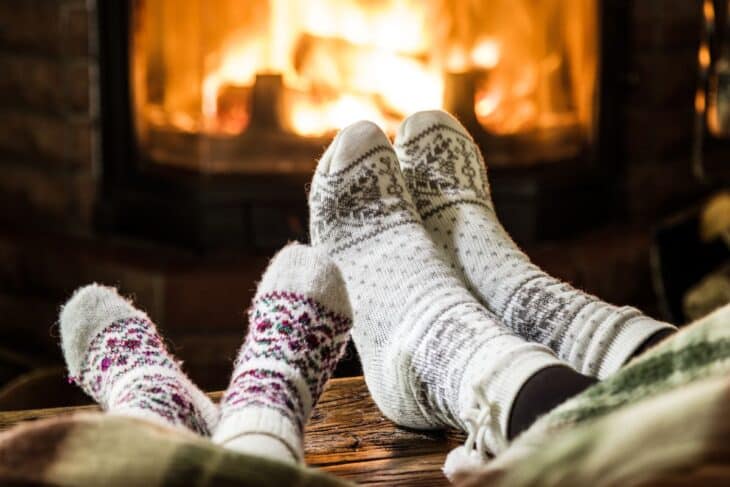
<point>664,419</point>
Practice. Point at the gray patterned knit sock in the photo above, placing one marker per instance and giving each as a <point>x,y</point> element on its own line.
<point>432,355</point>
<point>447,179</point>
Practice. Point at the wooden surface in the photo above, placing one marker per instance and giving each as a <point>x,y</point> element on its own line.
<point>346,436</point>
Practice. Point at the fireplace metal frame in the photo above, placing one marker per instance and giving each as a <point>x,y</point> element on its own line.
<point>257,212</point>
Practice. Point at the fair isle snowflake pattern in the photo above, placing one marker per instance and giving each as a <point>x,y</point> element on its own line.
<point>130,345</point>
<point>301,335</point>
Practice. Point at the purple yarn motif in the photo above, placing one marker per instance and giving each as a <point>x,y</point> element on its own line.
<point>297,331</point>
<point>124,346</point>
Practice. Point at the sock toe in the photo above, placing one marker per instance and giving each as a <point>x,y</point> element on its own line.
<point>308,271</point>
<point>419,121</point>
<point>357,185</point>
<point>354,141</point>
<point>90,309</point>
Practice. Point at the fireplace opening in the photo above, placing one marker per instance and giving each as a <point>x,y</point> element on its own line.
<point>223,106</point>
<point>213,78</point>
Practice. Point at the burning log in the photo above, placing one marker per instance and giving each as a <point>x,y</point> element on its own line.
<point>459,91</point>
<point>267,102</point>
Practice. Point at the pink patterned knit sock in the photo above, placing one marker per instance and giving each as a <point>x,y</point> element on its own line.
<point>114,353</point>
<point>299,324</point>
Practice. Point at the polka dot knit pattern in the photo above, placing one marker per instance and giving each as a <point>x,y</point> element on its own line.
<point>446,176</point>
<point>299,324</point>
<point>425,343</point>
<point>115,355</point>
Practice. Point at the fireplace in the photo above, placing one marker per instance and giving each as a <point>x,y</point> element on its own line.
<point>215,111</point>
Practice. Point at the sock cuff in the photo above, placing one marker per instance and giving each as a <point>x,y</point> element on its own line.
<point>91,309</point>
<point>263,446</point>
<point>263,421</point>
<point>629,336</point>
<point>502,379</point>
<point>308,271</point>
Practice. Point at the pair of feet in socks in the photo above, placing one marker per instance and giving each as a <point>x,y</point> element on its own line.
<point>454,325</point>
<point>299,324</point>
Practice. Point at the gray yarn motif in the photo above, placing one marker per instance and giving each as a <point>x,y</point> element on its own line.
<point>367,196</point>
<point>450,335</point>
<point>540,312</point>
<point>442,161</point>
<point>527,299</point>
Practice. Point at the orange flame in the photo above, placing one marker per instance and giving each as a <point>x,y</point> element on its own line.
<point>343,60</point>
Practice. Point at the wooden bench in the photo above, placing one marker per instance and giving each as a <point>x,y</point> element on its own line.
<point>347,436</point>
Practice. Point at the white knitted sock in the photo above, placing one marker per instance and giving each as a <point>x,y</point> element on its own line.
<point>114,353</point>
<point>432,355</point>
<point>299,324</point>
<point>447,179</point>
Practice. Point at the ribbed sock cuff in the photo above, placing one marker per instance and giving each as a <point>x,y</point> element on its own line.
<point>263,421</point>
<point>629,337</point>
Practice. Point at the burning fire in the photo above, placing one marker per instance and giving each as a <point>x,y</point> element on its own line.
<point>340,62</point>
<point>344,60</point>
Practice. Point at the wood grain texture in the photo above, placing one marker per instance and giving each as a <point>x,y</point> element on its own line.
<point>347,436</point>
